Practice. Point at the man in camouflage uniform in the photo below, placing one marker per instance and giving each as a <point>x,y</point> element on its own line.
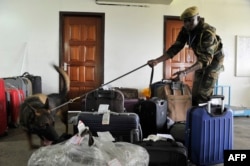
<point>207,46</point>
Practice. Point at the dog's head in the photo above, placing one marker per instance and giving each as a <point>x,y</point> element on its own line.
<point>39,120</point>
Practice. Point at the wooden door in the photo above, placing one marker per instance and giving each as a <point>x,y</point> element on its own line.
<point>82,53</point>
<point>184,58</point>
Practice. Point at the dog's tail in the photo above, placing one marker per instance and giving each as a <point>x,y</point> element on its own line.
<point>65,80</point>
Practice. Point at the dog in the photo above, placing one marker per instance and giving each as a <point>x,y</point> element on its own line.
<point>38,111</point>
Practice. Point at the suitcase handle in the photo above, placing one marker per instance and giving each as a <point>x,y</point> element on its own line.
<point>157,100</point>
<point>222,97</point>
<point>109,94</point>
<point>26,74</point>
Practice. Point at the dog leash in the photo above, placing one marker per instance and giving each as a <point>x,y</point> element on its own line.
<point>125,74</point>
<point>76,98</point>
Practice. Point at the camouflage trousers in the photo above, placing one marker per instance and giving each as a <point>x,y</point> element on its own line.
<point>203,85</point>
<point>206,78</point>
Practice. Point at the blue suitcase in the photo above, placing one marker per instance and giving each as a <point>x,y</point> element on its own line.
<point>209,131</point>
<point>123,126</point>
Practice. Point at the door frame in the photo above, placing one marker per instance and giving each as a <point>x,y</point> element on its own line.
<point>189,78</point>
<point>62,15</point>
<point>165,19</point>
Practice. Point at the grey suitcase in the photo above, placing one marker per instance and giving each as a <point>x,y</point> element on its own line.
<point>19,83</point>
<point>36,82</point>
<point>153,115</point>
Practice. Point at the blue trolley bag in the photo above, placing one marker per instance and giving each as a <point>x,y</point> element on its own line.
<point>209,131</point>
<point>122,126</point>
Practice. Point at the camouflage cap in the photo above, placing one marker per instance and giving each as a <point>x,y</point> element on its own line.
<point>189,12</point>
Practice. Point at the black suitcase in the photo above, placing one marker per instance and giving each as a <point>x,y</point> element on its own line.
<point>123,126</point>
<point>113,97</point>
<point>36,82</point>
<point>131,97</point>
<point>165,153</point>
<point>153,116</point>
<point>177,130</point>
<point>129,93</point>
<point>154,86</point>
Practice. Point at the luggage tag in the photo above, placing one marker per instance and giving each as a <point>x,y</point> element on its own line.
<point>158,137</point>
<point>103,108</point>
<point>106,118</point>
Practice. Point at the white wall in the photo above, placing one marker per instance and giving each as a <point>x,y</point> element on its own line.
<point>29,38</point>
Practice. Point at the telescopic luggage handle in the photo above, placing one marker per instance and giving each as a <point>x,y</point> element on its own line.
<point>216,97</point>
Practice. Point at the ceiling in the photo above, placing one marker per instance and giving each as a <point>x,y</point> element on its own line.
<point>163,2</point>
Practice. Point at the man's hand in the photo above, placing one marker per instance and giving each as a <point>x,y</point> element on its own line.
<point>179,75</point>
<point>152,62</point>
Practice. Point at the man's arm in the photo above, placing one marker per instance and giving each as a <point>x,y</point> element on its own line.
<point>183,73</point>
<point>196,66</point>
<point>172,51</point>
<point>154,62</point>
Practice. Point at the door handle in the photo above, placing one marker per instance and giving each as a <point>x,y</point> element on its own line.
<point>65,66</point>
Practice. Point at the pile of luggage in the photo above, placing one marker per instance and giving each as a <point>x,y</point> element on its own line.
<point>205,130</point>
<point>13,91</point>
<point>197,134</point>
<point>168,111</point>
<point>106,110</point>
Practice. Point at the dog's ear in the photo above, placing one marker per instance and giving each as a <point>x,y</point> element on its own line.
<point>46,105</point>
<point>33,110</point>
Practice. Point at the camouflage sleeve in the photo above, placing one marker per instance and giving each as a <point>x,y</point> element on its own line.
<point>178,44</point>
<point>207,47</point>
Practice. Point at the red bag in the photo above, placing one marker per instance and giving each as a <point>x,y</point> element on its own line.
<point>15,98</point>
<point>3,112</point>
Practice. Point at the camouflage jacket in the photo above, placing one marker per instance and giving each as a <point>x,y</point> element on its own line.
<point>204,42</point>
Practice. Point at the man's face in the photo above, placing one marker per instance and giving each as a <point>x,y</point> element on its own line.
<point>191,22</point>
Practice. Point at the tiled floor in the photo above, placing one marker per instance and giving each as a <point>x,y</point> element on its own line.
<point>14,150</point>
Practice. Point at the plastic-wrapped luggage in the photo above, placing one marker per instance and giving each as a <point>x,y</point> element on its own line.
<point>83,149</point>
